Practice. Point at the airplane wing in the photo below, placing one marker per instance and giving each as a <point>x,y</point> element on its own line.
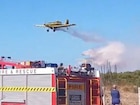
<point>55,26</point>
<point>40,25</point>
<point>63,25</point>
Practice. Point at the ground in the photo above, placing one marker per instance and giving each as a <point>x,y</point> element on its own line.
<point>127,97</point>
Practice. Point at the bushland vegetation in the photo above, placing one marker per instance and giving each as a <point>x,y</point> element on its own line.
<point>129,81</point>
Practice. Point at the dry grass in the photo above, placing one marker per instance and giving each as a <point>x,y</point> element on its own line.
<point>129,95</point>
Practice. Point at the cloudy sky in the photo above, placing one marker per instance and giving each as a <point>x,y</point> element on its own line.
<point>105,31</point>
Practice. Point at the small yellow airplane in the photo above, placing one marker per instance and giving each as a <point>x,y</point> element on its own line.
<point>56,25</point>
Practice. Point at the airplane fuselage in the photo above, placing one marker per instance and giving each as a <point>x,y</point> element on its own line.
<point>57,24</point>
<point>53,24</point>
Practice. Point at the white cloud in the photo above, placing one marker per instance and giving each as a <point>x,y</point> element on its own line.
<point>111,52</point>
<point>125,57</point>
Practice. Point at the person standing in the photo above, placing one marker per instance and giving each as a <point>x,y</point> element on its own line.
<point>115,94</point>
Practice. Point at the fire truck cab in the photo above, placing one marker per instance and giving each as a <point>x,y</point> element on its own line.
<point>26,85</point>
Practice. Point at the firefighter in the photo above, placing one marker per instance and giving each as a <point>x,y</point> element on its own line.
<point>61,70</point>
<point>115,94</point>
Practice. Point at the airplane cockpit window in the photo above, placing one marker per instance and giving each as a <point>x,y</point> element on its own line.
<point>58,22</point>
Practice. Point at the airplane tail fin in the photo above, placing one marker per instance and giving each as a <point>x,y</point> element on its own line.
<point>67,21</point>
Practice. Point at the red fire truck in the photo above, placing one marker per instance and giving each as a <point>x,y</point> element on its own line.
<point>23,84</point>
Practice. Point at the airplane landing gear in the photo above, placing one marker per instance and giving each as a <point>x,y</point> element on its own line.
<point>47,30</point>
<point>53,30</point>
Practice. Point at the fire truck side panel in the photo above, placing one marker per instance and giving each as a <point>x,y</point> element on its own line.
<point>13,81</point>
<point>76,93</point>
<point>32,97</point>
<point>43,98</point>
<point>79,90</point>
